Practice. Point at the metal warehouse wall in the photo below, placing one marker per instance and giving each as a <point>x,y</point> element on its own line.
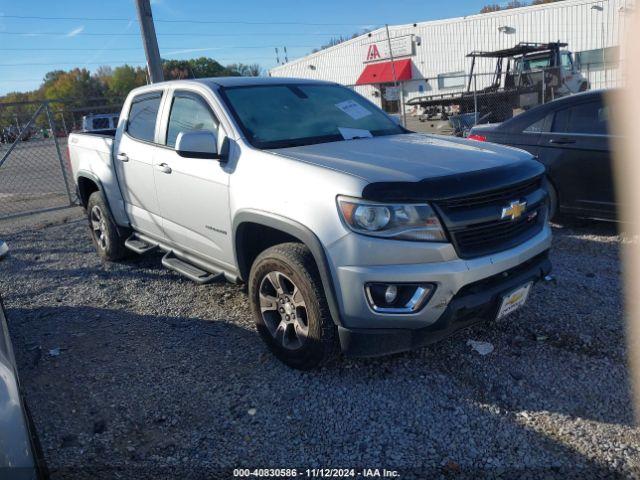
<point>444,44</point>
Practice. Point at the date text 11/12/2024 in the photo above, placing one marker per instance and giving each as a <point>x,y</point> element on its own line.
<point>316,473</point>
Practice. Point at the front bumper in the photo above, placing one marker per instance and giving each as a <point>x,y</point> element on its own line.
<point>361,260</point>
<point>473,303</point>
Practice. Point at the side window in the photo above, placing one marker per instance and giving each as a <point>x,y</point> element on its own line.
<point>143,115</point>
<point>539,126</point>
<point>586,118</point>
<point>100,123</point>
<point>189,112</point>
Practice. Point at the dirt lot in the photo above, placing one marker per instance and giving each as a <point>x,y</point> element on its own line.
<point>134,372</point>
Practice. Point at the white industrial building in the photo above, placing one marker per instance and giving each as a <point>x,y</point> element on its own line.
<point>431,57</point>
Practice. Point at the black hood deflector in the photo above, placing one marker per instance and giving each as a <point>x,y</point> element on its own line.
<point>454,186</point>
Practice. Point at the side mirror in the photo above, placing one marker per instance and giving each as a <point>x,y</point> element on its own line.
<point>198,144</point>
<point>3,249</point>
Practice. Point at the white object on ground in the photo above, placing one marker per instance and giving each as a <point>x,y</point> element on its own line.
<point>483,348</point>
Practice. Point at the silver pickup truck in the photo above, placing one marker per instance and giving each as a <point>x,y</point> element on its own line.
<point>351,232</point>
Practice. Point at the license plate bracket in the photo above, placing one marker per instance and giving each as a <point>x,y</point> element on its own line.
<point>514,300</point>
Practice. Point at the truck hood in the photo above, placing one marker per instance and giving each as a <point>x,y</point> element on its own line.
<point>407,157</point>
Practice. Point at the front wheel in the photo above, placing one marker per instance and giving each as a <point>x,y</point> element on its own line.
<point>290,308</point>
<point>553,198</point>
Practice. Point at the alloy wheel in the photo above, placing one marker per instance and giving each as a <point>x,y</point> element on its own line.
<point>284,310</point>
<point>99,227</point>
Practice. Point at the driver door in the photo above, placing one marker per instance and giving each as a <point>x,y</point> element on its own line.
<point>193,193</point>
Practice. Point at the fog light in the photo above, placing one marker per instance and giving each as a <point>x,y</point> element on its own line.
<point>390,294</point>
<point>398,297</point>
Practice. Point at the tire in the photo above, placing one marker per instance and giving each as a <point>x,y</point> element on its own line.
<point>553,199</point>
<point>104,232</point>
<point>290,307</point>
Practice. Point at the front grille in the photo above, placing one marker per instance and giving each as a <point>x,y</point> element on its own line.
<point>489,237</point>
<point>495,196</point>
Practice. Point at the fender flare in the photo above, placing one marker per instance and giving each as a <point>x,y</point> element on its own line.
<point>94,178</point>
<point>300,232</point>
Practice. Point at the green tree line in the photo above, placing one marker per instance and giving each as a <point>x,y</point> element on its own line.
<point>106,88</point>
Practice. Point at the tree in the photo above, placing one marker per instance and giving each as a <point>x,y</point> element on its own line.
<point>494,7</point>
<point>207,67</point>
<point>244,70</point>
<point>541,2</point>
<point>338,40</point>
<point>103,74</point>
<point>176,69</point>
<point>124,79</point>
<point>77,86</point>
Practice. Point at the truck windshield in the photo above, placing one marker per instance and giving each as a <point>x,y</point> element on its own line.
<point>527,63</point>
<point>289,115</point>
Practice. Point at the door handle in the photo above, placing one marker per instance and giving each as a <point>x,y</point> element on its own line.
<point>123,157</point>
<point>164,168</point>
<point>562,141</point>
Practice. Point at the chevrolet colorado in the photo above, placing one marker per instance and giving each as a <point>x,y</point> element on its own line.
<point>350,231</point>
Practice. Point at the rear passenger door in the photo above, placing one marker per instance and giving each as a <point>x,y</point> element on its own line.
<point>134,152</point>
<point>577,154</point>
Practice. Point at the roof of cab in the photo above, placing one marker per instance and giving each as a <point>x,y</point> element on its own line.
<point>215,82</point>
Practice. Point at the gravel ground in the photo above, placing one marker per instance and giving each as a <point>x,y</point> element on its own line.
<point>157,377</point>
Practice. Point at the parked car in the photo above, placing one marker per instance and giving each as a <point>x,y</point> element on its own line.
<point>20,452</point>
<point>349,230</point>
<point>99,122</point>
<point>571,137</point>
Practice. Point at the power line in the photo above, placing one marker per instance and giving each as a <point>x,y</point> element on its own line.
<point>109,34</point>
<point>22,80</point>
<point>205,22</point>
<point>106,62</point>
<point>2,49</point>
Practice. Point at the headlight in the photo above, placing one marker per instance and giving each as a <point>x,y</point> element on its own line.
<point>411,221</point>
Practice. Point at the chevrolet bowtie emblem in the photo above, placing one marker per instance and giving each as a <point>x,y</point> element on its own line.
<point>514,210</point>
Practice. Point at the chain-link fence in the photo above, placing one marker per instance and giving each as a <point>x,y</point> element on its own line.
<point>464,101</point>
<point>35,172</point>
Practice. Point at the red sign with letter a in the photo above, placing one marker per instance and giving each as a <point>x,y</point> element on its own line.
<point>373,53</point>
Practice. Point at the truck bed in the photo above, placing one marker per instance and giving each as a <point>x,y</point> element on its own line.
<point>91,150</point>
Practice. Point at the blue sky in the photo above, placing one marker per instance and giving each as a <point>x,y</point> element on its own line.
<point>30,47</point>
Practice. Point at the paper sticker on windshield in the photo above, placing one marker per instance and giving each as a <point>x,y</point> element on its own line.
<point>351,133</point>
<point>353,109</point>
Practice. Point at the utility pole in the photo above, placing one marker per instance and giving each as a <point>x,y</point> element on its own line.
<point>399,89</point>
<point>148,32</point>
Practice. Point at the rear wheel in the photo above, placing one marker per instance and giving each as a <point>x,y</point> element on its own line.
<point>104,232</point>
<point>290,308</point>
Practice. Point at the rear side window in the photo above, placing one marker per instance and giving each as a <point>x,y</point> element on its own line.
<point>586,118</point>
<point>100,123</point>
<point>189,112</point>
<point>143,115</point>
<point>539,126</point>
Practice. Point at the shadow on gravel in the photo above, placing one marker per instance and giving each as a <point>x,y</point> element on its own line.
<point>175,395</point>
